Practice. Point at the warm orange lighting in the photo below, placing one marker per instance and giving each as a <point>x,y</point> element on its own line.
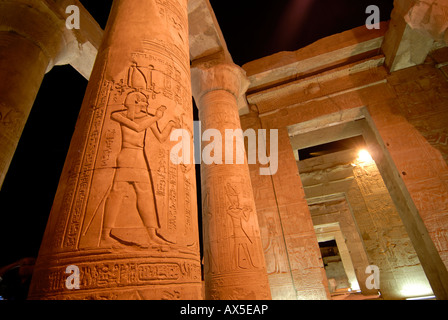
<point>364,156</point>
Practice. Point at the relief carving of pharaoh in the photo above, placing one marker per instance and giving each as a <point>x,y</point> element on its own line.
<point>139,118</point>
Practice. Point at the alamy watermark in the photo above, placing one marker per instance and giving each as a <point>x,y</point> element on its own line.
<point>373,280</point>
<point>73,280</point>
<point>73,21</point>
<point>233,144</point>
<point>373,20</point>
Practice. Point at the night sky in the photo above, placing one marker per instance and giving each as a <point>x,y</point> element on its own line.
<point>252,29</point>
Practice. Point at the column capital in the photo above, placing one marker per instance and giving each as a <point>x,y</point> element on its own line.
<point>43,23</point>
<point>222,76</point>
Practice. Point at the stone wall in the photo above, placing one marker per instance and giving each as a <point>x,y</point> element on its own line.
<point>370,223</point>
<point>413,122</point>
<point>407,111</point>
<point>292,255</point>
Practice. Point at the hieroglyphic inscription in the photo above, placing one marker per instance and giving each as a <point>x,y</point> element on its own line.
<point>121,274</point>
<point>188,217</point>
<point>231,287</point>
<point>164,75</point>
<point>86,171</point>
<point>162,173</point>
<point>172,7</point>
<point>109,140</point>
<point>66,203</point>
<point>172,198</point>
<point>169,10</point>
<point>149,271</point>
<point>76,165</point>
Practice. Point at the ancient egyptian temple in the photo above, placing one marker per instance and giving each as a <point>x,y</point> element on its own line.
<point>337,190</point>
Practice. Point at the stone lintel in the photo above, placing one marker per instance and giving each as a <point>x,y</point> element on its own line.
<point>44,24</point>
<point>320,86</point>
<point>324,54</point>
<point>332,133</point>
<point>205,35</point>
<point>84,42</point>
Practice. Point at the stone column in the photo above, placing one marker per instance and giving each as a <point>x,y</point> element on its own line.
<point>31,39</point>
<point>234,260</point>
<point>124,218</point>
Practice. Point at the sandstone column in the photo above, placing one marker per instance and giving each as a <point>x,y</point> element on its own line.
<point>234,260</point>
<point>31,38</point>
<point>125,216</point>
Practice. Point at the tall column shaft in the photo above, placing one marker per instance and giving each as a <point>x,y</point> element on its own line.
<point>22,68</point>
<point>234,259</point>
<point>125,216</point>
<point>31,38</point>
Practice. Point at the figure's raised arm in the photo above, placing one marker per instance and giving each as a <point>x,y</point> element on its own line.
<point>246,212</point>
<point>163,135</point>
<point>133,125</point>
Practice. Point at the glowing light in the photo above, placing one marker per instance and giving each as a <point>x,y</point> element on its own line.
<point>422,298</point>
<point>416,290</point>
<point>364,156</point>
<point>354,286</point>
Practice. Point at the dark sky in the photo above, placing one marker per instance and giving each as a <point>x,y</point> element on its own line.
<point>252,29</point>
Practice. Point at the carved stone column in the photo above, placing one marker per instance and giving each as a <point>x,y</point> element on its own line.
<point>125,216</point>
<point>233,254</point>
<point>31,39</point>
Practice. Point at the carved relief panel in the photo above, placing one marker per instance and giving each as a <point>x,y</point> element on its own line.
<point>232,246</point>
<point>125,214</point>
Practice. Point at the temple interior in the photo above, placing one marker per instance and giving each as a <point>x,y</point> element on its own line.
<point>348,200</point>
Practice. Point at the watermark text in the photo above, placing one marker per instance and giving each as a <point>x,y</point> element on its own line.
<point>229,149</point>
<point>73,21</point>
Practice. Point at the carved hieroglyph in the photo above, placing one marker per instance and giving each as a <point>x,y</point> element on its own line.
<point>124,213</point>
<point>234,263</point>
